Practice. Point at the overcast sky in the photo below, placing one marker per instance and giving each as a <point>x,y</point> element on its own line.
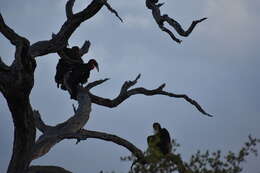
<point>217,65</point>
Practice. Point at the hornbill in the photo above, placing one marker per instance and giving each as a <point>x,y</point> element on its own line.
<point>160,141</point>
<point>79,75</point>
<point>70,58</point>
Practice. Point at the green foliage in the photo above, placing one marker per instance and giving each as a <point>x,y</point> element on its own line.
<point>207,162</point>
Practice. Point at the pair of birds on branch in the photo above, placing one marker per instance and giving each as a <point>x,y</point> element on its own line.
<point>71,71</point>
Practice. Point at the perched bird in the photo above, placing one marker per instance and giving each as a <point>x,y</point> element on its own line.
<point>79,75</point>
<point>70,58</point>
<point>160,141</point>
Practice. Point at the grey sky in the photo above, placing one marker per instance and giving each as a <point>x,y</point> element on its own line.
<point>217,65</point>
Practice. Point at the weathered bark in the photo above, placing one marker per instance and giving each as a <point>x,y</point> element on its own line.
<point>53,134</point>
<point>16,84</point>
<point>16,92</point>
<point>16,89</point>
<point>24,133</point>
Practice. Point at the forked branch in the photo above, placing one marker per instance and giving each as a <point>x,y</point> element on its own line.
<point>22,57</point>
<point>72,129</point>
<point>51,134</point>
<point>125,93</point>
<point>70,25</point>
<point>10,34</point>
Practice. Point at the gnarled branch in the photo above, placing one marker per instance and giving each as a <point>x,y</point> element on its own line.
<point>70,25</point>
<point>39,122</point>
<point>22,58</point>
<point>125,93</point>
<point>85,134</point>
<point>160,19</point>
<point>72,129</point>
<point>10,34</point>
<point>51,134</point>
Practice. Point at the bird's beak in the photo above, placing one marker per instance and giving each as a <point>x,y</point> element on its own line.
<point>96,65</point>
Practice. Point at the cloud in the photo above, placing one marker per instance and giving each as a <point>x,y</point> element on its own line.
<point>137,22</point>
<point>231,27</point>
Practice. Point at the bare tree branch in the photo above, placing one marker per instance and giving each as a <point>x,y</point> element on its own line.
<point>69,8</point>
<point>85,134</point>
<point>125,93</point>
<point>70,25</point>
<point>72,129</point>
<point>96,83</point>
<point>22,58</point>
<point>85,48</point>
<point>39,123</point>
<point>160,19</point>
<point>112,10</point>
<point>10,34</point>
<point>51,134</point>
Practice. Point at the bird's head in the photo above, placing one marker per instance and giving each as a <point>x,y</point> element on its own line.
<point>93,64</point>
<point>156,127</point>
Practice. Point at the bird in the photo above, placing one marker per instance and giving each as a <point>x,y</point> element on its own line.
<point>79,75</point>
<point>70,57</point>
<point>161,139</point>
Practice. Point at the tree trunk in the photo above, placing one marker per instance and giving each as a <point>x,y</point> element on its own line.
<point>17,90</point>
<point>24,133</point>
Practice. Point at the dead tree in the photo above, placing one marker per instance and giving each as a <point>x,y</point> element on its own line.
<point>17,81</point>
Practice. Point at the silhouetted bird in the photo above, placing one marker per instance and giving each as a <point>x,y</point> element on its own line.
<point>70,58</point>
<point>161,141</point>
<point>79,75</point>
